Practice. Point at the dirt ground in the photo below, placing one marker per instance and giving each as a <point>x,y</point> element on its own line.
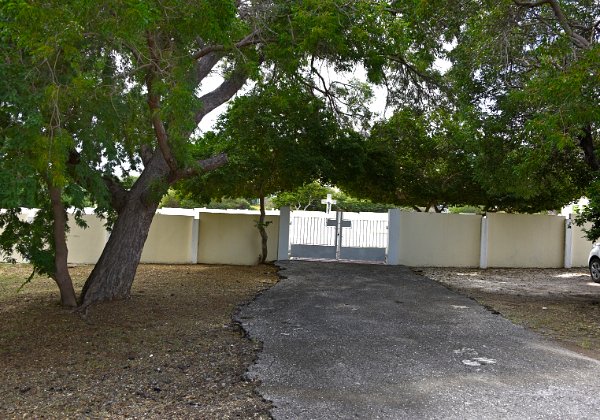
<point>563,304</point>
<point>173,351</point>
<point>170,351</point>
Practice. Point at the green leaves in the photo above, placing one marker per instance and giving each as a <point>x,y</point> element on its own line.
<point>535,91</point>
<point>276,139</point>
<point>30,238</point>
<point>589,216</point>
<point>420,159</point>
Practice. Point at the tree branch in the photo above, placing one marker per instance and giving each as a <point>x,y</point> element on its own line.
<point>213,162</point>
<point>531,4</point>
<point>204,165</point>
<point>154,105</point>
<point>222,94</point>
<point>118,194</point>
<point>146,153</point>
<point>578,40</point>
<point>412,69</point>
<point>205,65</point>
<point>249,39</point>
<point>586,142</point>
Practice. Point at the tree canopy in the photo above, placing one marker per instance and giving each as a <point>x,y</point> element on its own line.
<point>101,87</point>
<point>530,69</point>
<point>276,138</point>
<point>417,159</point>
<point>108,87</point>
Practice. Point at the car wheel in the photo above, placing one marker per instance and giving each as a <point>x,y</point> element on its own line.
<point>595,269</point>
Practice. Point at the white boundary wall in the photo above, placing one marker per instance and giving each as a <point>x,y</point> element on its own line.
<point>525,240</point>
<point>179,236</point>
<point>171,240</point>
<point>86,245</point>
<point>497,240</point>
<point>227,237</point>
<point>580,248</point>
<point>182,236</point>
<point>434,240</point>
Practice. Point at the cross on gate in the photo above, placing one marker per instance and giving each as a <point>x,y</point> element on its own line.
<point>339,222</point>
<point>329,202</point>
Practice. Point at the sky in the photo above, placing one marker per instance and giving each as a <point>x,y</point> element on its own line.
<point>377,106</point>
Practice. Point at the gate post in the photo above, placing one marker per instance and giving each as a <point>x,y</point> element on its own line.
<point>568,242</point>
<point>393,248</point>
<point>484,244</point>
<point>283,246</point>
<point>195,236</point>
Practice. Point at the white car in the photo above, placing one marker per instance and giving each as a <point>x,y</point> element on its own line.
<point>594,262</point>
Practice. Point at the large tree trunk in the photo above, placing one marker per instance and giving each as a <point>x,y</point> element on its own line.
<point>262,225</point>
<point>114,272</point>
<point>61,270</point>
<point>586,142</point>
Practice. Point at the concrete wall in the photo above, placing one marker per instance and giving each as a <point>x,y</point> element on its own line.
<point>171,240</point>
<point>581,247</point>
<point>437,240</point>
<point>415,239</point>
<point>86,245</point>
<point>525,240</point>
<point>232,238</point>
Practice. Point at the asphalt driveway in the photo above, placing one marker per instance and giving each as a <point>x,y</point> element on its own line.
<point>368,341</point>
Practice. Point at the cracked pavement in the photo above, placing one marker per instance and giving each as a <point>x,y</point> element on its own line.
<point>374,341</point>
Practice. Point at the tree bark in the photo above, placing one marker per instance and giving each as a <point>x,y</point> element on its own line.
<point>114,272</point>
<point>586,142</point>
<point>61,270</point>
<point>263,231</point>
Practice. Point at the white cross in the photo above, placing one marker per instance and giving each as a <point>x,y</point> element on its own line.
<point>329,202</point>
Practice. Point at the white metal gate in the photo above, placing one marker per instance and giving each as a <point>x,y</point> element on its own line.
<point>338,236</point>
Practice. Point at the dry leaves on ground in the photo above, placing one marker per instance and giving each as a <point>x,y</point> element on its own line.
<point>170,351</point>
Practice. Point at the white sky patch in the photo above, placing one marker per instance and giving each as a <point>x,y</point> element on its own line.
<point>208,85</point>
<point>442,65</point>
<point>377,104</point>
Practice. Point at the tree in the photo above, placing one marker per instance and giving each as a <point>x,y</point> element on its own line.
<point>588,217</point>
<point>178,199</point>
<point>276,138</point>
<point>309,196</point>
<point>136,69</point>
<point>346,203</point>
<point>306,197</point>
<point>38,83</point>
<point>530,69</point>
<point>417,159</point>
<point>520,172</point>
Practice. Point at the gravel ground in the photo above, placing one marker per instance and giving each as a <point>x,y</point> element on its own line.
<point>563,304</point>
